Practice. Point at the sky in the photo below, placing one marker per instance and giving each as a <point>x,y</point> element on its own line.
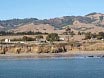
<point>46,9</point>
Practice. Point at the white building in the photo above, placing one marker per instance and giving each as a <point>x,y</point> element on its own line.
<point>62,39</point>
<point>7,40</point>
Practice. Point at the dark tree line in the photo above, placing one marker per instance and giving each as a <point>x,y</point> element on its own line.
<point>4,33</point>
<point>98,36</point>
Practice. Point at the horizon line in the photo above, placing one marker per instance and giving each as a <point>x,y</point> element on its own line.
<point>46,18</point>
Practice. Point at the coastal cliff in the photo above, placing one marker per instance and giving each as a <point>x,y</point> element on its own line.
<point>71,48</point>
<point>32,49</point>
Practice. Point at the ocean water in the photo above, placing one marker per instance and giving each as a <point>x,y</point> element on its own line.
<point>52,68</point>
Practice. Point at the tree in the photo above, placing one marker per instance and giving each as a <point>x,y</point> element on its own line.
<point>99,37</point>
<point>52,37</point>
<point>94,35</point>
<point>79,33</point>
<point>68,30</point>
<point>101,18</point>
<point>25,38</point>
<point>101,34</point>
<point>72,33</point>
<point>38,37</point>
<point>88,35</point>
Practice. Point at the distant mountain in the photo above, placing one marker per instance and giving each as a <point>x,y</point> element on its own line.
<point>92,19</point>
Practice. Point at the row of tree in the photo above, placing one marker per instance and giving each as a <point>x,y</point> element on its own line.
<point>98,36</point>
<point>3,33</point>
<point>50,37</point>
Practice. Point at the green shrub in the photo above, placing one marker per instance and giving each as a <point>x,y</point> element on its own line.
<point>52,37</point>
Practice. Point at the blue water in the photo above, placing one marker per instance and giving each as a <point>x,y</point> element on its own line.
<point>52,68</point>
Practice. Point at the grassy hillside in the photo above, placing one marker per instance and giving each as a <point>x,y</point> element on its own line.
<point>94,19</point>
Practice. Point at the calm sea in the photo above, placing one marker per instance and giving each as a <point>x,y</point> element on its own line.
<point>52,68</point>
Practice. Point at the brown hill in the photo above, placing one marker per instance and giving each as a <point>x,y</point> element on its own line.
<point>34,28</point>
<point>44,28</point>
<point>93,22</point>
<point>83,27</point>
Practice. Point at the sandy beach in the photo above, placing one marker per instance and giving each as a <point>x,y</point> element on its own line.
<point>54,55</point>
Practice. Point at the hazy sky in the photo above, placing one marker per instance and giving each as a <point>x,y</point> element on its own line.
<point>48,8</point>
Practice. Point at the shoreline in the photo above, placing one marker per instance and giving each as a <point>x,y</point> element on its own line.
<point>54,55</point>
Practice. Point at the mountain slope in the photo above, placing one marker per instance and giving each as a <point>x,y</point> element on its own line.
<point>34,28</point>
<point>93,21</point>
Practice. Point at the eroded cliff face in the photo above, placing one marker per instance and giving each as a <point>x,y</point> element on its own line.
<point>56,48</point>
<point>17,49</point>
